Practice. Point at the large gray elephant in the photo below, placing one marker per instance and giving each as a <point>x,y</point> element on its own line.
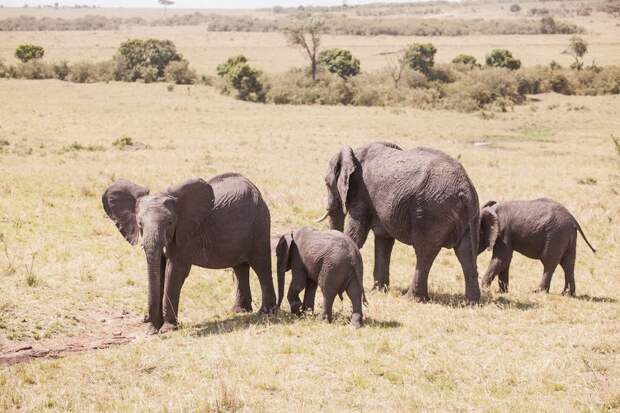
<point>221,223</point>
<point>421,197</point>
<point>328,259</point>
<point>540,229</point>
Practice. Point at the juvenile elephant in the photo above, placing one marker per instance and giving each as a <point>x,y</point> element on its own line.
<point>540,229</point>
<point>421,197</point>
<point>328,259</point>
<point>221,223</point>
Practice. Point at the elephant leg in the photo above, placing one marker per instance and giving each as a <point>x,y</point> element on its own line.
<point>328,305</point>
<point>383,252</point>
<point>354,291</point>
<point>175,277</point>
<point>467,258</point>
<point>262,268</point>
<point>298,283</point>
<point>545,282</point>
<point>503,280</point>
<point>243,298</point>
<point>568,265</point>
<point>309,295</point>
<point>424,260</point>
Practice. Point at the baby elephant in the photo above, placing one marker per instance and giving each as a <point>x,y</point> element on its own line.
<point>326,258</point>
<point>540,229</point>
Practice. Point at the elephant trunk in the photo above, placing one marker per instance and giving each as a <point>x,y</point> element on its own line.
<point>155,261</point>
<point>336,220</point>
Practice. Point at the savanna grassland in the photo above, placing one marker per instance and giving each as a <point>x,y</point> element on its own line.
<point>66,273</point>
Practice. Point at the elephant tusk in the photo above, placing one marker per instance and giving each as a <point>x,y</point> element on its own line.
<point>323,217</point>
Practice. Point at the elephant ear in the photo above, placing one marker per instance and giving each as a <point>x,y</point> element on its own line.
<point>119,203</point>
<point>339,174</point>
<point>194,204</point>
<point>283,252</point>
<point>490,226</point>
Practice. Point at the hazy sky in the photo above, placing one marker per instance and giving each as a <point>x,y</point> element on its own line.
<point>219,4</point>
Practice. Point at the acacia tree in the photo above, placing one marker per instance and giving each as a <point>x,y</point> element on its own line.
<point>166,3</point>
<point>306,34</point>
<point>577,48</point>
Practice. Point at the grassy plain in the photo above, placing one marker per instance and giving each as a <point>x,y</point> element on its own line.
<point>64,267</point>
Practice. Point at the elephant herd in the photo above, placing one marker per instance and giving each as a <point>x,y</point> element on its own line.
<point>420,197</point>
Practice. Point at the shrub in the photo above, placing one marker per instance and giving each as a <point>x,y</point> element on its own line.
<point>465,59</point>
<point>239,75</point>
<point>144,59</point>
<point>27,52</point>
<point>61,70</point>
<point>419,56</point>
<point>4,70</point>
<point>33,69</point>
<point>88,72</point>
<point>577,48</point>
<point>502,58</point>
<point>515,8</point>
<point>180,73</point>
<point>340,62</point>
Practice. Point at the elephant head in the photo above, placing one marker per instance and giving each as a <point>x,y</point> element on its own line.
<point>162,222</point>
<point>340,172</point>
<point>283,255</point>
<point>489,226</point>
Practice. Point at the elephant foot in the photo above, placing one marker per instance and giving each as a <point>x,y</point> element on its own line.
<point>357,321</point>
<point>151,330</point>
<point>568,292</point>
<point>268,310</point>
<point>541,290</point>
<point>296,309</point>
<point>324,317</point>
<point>382,287</point>
<point>241,308</point>
<point>485,285</point>
<point>417,297</point>
<point>167,327</point>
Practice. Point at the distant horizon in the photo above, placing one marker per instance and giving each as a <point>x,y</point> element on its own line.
<point>189,4</point>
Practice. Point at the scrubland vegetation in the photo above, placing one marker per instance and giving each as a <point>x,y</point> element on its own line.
<point>69,283</point>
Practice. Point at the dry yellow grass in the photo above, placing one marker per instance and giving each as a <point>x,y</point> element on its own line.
<point>517,351</point>
<point>64,267</point>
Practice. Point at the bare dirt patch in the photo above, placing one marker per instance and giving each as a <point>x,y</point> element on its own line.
<point>108,331</point>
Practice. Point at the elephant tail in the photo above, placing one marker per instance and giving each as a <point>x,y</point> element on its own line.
<point>280,287</point>
<point>359,274</point>
<point>578,227</point>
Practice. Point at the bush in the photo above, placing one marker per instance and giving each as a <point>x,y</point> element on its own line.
<point>33,69</point>
<point>144,59</point>
<point>419,56</point>
<point>502,58</point>
<point>515,8</point>
<point>180,73</point>
<point>340,62</point>
<point>61,70</point>
<point>88,72</point>
<point>4,70</point>
<point>239,75</point>
<point>465,59</point>
<point>27,52</point>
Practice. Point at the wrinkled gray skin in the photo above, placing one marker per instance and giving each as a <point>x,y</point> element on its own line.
<point>217,224</point>
<point>328,259</point>
<point>421,197</point>
<point>541,229</point>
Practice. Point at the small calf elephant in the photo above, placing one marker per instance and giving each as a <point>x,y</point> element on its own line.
<point>326,258</point>
<point>540,229</point>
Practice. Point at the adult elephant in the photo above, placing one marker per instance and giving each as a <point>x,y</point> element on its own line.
<point>421,197</point>
<point>220,223</point>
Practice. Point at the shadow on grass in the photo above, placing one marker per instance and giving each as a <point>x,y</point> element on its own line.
<point>456,300</point>
<point>586,297</point>
<point>244,321</point>
<point>240,322</point>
